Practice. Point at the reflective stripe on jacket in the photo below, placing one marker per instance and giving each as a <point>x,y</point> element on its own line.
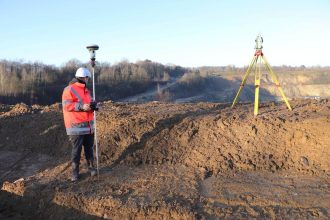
<point>77,121</point>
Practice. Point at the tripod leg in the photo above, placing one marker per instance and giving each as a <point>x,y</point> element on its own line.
<point>277,83</point>
<point>244,80</point>
<point>257,77</point>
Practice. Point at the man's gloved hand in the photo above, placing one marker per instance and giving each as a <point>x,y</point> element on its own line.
<point>93,106</point>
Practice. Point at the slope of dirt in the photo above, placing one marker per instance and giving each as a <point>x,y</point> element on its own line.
<point>171,161</point>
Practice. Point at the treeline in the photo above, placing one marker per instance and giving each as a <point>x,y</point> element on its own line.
<point>38,83</point>
<point>211,82</point>
<point>233,70</point>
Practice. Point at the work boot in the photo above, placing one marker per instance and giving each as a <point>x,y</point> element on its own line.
<point>75,172</point>
<point>91,167</point>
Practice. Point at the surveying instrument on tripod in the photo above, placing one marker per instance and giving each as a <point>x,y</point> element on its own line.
<point>92,48</point>
<point>256,62</point>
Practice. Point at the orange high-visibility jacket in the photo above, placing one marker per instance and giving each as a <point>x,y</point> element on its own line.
<point>76,120</point>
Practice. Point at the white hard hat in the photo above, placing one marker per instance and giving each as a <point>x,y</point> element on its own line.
<point>83,72</point>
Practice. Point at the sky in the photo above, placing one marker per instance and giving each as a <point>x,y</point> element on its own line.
<point>189,33</point>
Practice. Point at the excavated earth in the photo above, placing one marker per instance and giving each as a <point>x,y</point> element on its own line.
<point>170,161</point>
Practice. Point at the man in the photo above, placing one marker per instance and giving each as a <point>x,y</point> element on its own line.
<point>78,118</point>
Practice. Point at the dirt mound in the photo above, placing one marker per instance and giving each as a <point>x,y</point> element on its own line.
<point>23,109</point>
<point>172,161</point>
<point>16,110</point>
<point>217,138</point>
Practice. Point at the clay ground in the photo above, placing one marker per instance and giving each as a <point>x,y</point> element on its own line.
<point>171,161</point>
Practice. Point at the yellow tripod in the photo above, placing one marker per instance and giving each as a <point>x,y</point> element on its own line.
<point>257,58</point>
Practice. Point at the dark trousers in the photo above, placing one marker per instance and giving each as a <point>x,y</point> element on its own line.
<point>77,142</point>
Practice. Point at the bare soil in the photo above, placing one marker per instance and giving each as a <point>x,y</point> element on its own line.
<point>170,161</point>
